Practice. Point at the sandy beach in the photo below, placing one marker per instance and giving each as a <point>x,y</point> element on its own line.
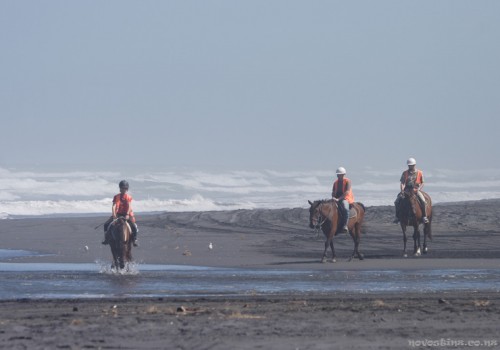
<point>466,236</point>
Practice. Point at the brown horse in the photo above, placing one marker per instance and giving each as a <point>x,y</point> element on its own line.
<point>324,215</point>
<point>411,215</point>
<point>119,234</point>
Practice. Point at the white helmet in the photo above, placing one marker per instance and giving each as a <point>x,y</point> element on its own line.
<point>341,171</point>
<point>411,161</point>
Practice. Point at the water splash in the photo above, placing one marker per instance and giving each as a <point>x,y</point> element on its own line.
<point>130,269</point>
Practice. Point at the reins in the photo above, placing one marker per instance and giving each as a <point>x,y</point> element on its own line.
<point>321,220</point>
<point>111,223</point>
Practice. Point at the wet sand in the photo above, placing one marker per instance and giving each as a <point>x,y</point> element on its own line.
<point>466,236</point>
<point>284,322</point>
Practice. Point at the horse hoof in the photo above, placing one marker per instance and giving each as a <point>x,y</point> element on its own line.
<point>334,260</point>
<point>361,257</point>
<point>418,253</point>
<point>323,260</point>
<point>426,250</point>
<point>405,255</point>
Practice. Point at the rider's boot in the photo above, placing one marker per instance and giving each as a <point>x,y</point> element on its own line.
<point>425,220</point>
<point>106,227</point>
<point>105,241</point>
<point>396,218</point>
<point>345,229</point>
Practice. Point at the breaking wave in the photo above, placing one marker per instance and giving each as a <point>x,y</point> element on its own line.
<point>25,193</point>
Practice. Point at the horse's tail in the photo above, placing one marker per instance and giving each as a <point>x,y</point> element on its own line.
<point>363,222</point>
<point>362,206</point>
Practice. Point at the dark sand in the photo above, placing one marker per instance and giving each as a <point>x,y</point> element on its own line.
<point>466,235</point>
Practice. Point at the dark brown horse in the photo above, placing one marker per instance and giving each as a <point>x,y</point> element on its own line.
<point>324,215</point>
<point>411,215</point>
<point>119,234</point>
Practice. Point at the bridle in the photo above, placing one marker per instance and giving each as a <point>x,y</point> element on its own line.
<point>321,219</point>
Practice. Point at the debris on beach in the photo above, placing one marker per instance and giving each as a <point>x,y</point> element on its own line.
<point>481,303</point>
<point>181,309</point>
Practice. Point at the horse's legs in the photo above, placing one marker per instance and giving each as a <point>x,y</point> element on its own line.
<point>333,251</point>
<point>424,248</point>
<point>355,239</point>
<point>327,243</point>
<point>114,264</point>
<point>416,241</point>
<point>358,238</point>
<point>427,229</point>
<point>405,239</point>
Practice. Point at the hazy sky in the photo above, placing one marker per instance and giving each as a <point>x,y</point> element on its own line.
<point>250,84</point>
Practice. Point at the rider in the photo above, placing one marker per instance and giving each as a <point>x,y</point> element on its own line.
<point>122,206</point>
<point>342,194</point>
<point>412,180</point>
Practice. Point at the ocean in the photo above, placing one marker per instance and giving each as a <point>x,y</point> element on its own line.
<point>82,192</point>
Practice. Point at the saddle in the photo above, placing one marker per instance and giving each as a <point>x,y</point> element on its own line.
<point>114,224</point>
<point>352,212</point>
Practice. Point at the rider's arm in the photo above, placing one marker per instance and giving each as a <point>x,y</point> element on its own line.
<point>113,210</point>
<point>129,209</point>
<point>335,198</point>
<point>422,183</point>
<point>402,183</point>
<point>346,190</point>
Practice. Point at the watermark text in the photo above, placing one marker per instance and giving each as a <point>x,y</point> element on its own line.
<point>447,342</point>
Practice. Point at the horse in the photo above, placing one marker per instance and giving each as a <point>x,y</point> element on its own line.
<point>324,215</point>
<point>411,215</point>
<point>120,242</point>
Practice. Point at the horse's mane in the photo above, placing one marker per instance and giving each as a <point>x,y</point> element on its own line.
<point>322,201</point>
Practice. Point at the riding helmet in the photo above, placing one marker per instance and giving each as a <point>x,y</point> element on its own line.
<point>123,184</point>
<point>341,171</point>
<point>411,161</point>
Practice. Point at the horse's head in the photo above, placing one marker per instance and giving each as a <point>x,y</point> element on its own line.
<point>410,195</point>
<point>314,214</point>
<point>120,228</point>
<point>119,223</point>
<point>318,213</point>
<point>409,203</point>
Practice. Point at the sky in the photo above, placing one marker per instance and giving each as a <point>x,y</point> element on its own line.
<point>261,84</point>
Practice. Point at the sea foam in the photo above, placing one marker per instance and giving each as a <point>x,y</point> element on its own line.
<point>85,192</point>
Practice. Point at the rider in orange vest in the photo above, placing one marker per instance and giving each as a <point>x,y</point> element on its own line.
<point>342,194</point>
<point>122,206</point>
<point>412,180</point>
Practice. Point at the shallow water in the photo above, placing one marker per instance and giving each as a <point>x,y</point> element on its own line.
<point>34,281</point>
